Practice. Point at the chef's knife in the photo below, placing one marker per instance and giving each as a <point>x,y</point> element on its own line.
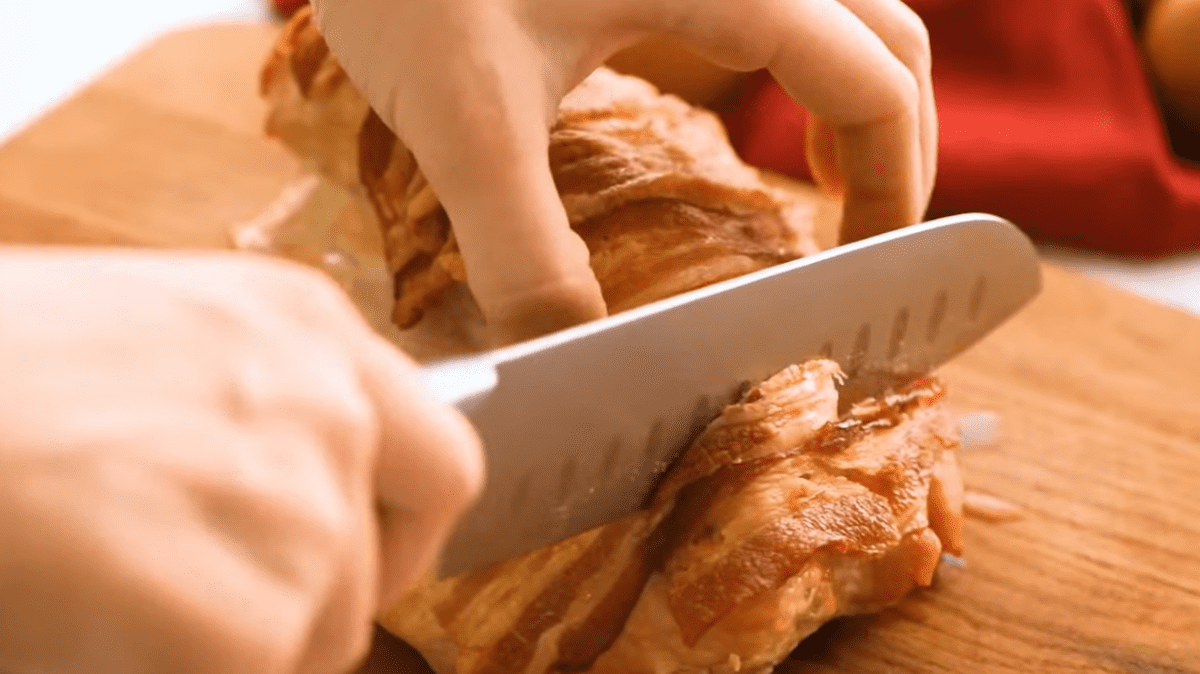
<point>579,425</point>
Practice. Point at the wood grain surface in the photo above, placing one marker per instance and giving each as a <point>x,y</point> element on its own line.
<point>1098,392</point>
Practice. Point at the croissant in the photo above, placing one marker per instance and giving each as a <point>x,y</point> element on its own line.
<point>779,517</point>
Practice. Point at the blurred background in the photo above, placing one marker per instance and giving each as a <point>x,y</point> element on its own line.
<point>49,49</point>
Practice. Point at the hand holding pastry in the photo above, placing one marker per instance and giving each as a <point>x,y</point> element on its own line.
<point>472,88</point>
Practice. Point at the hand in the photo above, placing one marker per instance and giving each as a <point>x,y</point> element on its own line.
<point>472,87</point>
<point>193,450</point>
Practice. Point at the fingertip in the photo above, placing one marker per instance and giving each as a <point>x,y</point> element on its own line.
<point>874,206</point>
<point>528,270</point>
<point>545,309</point>
<point>863,218</point>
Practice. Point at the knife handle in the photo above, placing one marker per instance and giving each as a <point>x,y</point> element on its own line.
<point>461,382</point>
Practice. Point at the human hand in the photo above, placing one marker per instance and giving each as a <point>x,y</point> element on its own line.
<point>472,87</point>
<point>193,452</point>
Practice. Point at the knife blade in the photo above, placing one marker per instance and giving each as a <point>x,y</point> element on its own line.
<point>579,425</point>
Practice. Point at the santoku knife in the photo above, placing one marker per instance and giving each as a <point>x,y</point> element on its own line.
<point>579,425</point>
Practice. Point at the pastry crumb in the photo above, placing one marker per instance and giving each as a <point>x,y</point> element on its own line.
<point>984,506</point>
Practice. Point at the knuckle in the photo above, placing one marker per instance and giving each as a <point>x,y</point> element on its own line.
<point>911,44</point>
<point>345,422</point>
<point>355,422</point>
<point>331,519</point>
<point>909,92</point>
<point>356,414</point>
<point>304,289</point>
<point>322,294</point>
<point>901,96</point>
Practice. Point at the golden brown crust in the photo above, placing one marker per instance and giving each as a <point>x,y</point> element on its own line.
<point>650,184</point>
<point>778,518</point>
<point>313,108</point>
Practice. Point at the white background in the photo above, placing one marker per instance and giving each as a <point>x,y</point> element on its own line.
<point>48,49</point>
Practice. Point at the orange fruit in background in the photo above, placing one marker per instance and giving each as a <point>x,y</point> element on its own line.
<point>1171,39</point>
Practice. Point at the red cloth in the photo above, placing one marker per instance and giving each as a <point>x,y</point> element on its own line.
<point>1047,118</point>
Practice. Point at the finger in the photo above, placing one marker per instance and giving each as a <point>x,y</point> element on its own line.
<point>477,119</point>
<point>837,67</point>
<point>880,165</point>
<point>906,36</point>
<point>529,272</point>
<point>821,144</point>
<point>343,628</point>
<point>429,469</point>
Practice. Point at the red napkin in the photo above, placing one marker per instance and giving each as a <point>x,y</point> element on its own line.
<point>1047,118</point>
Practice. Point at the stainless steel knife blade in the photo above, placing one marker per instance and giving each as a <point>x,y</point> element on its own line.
<point>579,425</point>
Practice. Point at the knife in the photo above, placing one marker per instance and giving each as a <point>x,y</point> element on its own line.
<point>579,425</point>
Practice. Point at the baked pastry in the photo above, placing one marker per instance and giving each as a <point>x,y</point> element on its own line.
<point>312,107</point>
<point>649,182</point>
<point>778,518</point>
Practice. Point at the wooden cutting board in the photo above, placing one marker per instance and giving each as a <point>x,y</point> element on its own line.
<point>1098,392</point>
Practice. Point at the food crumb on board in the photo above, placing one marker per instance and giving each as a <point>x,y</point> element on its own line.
<point>984,506</point>
<point>979,429</point>
<point>260,232</point>
<point>953,561</point>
